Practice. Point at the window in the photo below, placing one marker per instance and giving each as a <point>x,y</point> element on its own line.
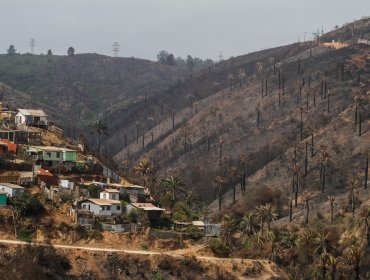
<point>118,208</point>
<point>48,154</point>
<point>84,206</point>
<point>58,154</point>
<point>108,208</point>
<point>104,195</point>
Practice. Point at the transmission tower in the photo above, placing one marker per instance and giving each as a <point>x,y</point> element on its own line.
<point>32,44</point>
<point>115,49</point>
<point>220,57</point>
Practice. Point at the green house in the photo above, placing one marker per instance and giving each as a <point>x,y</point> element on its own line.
<point>52,156</point>
<point>3,198</point>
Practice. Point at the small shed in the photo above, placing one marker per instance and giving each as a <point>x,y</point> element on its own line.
<point>109,194</point>
<point>31,117</point>
<point>3,198</point>
<point>10,189</point>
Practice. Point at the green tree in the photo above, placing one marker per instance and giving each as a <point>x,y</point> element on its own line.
<point>173,184</point>
<point>11,50</point>
<point>25,204</point>
<point>71,51</point>
<point>50,52</point>
<point>190,63</point>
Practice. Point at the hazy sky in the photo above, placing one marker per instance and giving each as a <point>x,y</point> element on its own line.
<point>201,28</point>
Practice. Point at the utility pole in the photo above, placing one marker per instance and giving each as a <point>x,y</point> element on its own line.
<point>115,49</point>
<point>32,44</point>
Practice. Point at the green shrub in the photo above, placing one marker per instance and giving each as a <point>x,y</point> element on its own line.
<point>25,233</point>
<point>66,197</point>
<point>26,204</point>
<point>94,234</point>
<point>157,275</point>
<point>193,232</point>
<point>218,247</point>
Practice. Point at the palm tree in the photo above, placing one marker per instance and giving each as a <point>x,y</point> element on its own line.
<point>363,220</point>
<point>274,243</point>
<point>324,157</point>
<point>259,213</point>
<point>241,76</point>
<point>306,198</point>
<point>323,262</point>
<point>353,256</point>
<point>306,242</point>
<point>143,169</point>
<point>332,263</point>
<point>243,160</point>
<point>227,230</point>
<point>367,154</point>
<point>231,78</point>
<point>189,199</point>
<point>296,177</point>
<point>173,184</point>
<point>248,223</point>
<point>234,173</point>
<point>323,243</point>
<point>312,130</point>
<point>331,201</point>
<point>290,208</point>
<point>270,215</point>
<point>99,128</point>
<point>218,181</point>
<point>352,186</point>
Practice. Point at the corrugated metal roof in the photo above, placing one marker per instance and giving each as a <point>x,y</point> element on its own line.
<point>147,207</point>
<point>9,185</point>
<point>32,112</point>
<point>103,202</point>
<point>50,149</point>
<point>111,191</point>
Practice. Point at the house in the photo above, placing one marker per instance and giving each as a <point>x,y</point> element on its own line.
<point>112,194</point>
<point>102,207</point>
<point>66,184</point>
<point>47,177</point>
<point>6,114</point>
<point>3,150</point>
<point>49,156</point>
<point>153,212</point>
<point>7,149</point>
<point>127,189</point>
<point>10,189</point>
<point>31,117</point>
<point>3,198</point>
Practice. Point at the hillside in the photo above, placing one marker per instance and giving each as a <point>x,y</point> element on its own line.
<point>55,263</point>
<point>306,74</point>
<point>75,90</point>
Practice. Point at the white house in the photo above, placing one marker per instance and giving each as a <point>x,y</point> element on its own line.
<point>112,194</point>
<point>10,189</point>
<point>31,117</point>
<point>102,207</point>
